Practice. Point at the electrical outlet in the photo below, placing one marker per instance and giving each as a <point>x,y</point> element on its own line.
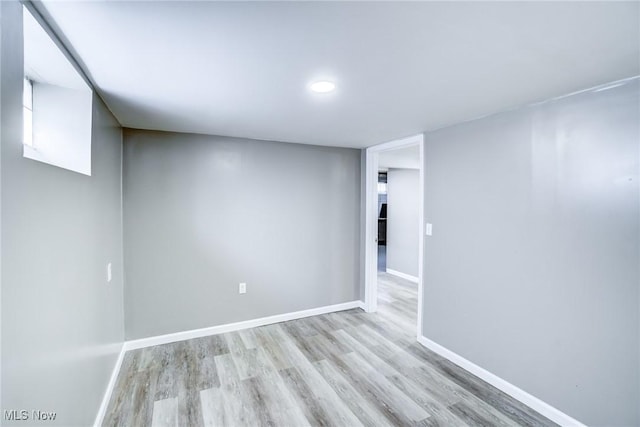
<point>429,229</point>
<point>109,273</point>
<point>242,288</point>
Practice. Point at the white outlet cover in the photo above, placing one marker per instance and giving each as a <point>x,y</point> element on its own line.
<point>242,288</point>
<point>429,229</point>
<point>109,272</point>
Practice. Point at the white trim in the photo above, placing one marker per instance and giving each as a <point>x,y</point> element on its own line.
<point>371,223</point>
<point>398,143</point>
<point>229,327</point>
<point>107,394</point>
<point>371,235</point>
<point>517,393</point>
<point>401,275</point>
<point>421,189</point>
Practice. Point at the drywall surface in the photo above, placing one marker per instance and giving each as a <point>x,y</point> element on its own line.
<point>532,269</point>
<point>403,220</point>
<point>62,324</point>
<point>204,213</point>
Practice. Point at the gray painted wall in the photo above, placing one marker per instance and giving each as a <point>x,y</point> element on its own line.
<point>532,271</point>
<point>62,324</point>
<point>403,220</point>
<point>203,213</point>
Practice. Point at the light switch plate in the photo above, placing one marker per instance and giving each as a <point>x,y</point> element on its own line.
<point>429,229</point>
<point>109,273</point>
<point>242,288</point>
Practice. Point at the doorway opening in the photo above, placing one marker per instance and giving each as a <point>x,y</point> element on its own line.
<point>382,220</point>
<point>394,233</point>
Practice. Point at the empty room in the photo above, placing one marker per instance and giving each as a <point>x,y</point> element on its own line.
<point>319,213</point>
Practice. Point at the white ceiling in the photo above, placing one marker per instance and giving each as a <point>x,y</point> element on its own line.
<point>400,158</point>
<point>242,68</point>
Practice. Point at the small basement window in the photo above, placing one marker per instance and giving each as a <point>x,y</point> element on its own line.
<point>57,103</point>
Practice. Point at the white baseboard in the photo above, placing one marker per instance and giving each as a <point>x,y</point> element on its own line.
<point>517,393</point>
<point>405,276</point>
<point>230,327</point>
<point>107,394</point>
<point>361,305</point>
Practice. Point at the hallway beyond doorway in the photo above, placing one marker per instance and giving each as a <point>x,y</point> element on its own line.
<point>382,258</point>
<point>398,301</point>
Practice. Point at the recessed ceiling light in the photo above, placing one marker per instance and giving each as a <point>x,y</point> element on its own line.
<point>323,86</point>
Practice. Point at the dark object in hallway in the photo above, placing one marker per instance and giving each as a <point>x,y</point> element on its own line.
<point>382,225</point>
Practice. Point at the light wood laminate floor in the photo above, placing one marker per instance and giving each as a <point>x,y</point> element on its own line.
<point>340,369</point>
